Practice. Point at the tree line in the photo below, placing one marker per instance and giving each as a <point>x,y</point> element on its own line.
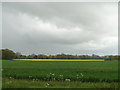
<point>7,54</point>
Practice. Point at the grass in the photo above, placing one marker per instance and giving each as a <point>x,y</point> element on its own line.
<point>84,74</point>
<point>15,83</point>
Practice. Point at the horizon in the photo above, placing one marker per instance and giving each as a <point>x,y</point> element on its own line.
<point>61,53</point>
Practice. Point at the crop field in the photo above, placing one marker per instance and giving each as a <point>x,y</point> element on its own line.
<point>60,59</point>
<point>91,74</point>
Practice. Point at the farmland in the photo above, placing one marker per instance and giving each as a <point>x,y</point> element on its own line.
<point>60,59</point>
<point>67,74</point>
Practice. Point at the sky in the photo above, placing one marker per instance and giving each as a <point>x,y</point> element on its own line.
<point>0,25</point>
<point>60,27</point>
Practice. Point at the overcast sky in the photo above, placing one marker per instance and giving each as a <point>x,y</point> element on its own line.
<point>53,28</point>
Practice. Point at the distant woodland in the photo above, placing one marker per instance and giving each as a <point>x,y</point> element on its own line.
<point>7,54</point>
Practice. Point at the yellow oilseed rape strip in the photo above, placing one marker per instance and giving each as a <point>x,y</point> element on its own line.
<point>61,59</point>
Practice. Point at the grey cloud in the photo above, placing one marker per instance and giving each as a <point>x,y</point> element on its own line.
<point>82,13</point>
<point>60,27</point>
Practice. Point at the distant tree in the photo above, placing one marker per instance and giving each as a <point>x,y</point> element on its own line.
<point>22,57</point>
<point>41,56</point>
<point>7,54</point>
<point>18,55</point>
<point>0,54</point>
<point>35,56</point>
<point>29,56</point>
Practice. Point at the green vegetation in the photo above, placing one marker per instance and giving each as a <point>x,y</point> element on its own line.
<point>9,54</point>
<point>22,83</point>
<point>58,74</point>
<point>89,73</point>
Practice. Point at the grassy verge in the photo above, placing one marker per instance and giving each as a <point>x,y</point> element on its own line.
<point>23,83</point>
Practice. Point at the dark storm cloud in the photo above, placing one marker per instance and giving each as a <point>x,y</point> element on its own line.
<point>52,28</point>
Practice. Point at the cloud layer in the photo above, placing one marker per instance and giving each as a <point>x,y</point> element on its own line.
<point>51,28</point>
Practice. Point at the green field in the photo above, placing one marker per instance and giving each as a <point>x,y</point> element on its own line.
<point>60,74</point>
